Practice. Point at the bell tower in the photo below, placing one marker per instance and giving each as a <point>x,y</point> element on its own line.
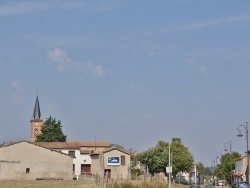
<point>35,122</point>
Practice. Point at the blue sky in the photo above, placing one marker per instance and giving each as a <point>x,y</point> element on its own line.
<point>127,71</point>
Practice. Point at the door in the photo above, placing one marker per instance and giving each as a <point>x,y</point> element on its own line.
<point>85,168</point>
<point>107,173</point>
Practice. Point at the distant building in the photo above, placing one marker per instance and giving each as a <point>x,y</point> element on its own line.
<point>28,161</point>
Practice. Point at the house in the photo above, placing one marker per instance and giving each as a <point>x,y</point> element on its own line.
<point>113,163</point>
<point>240,169</point>
<point>80,151</point>
<point>84,153</point>
<point>27,161</point>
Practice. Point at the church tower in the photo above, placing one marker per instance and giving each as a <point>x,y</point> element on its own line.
<point>35,122</point>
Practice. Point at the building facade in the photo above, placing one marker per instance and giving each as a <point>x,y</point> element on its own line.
<point>80,151</point>
<point>240,169</point>
<point>28,161</point>
<point>112,163</point>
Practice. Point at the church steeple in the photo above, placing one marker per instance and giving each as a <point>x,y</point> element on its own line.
<point>36,113</point>
<point>36,121</point>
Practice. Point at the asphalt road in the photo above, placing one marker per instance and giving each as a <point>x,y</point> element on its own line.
<point>206,186</point>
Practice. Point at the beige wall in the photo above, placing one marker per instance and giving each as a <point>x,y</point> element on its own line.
<point>99,162</point>
<point>42,163</point>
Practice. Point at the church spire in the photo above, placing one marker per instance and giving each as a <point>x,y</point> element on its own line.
<point>36,113</point>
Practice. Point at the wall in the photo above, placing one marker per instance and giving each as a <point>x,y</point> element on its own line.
<point>120,171</point>
<point>78,160</point>
<point>27,161</point>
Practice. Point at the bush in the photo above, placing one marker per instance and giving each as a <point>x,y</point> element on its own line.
<point>144,184</point>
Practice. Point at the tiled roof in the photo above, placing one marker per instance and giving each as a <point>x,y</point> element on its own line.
<point>110,149</point>
<point>73,144</point>
<point>34,143</point>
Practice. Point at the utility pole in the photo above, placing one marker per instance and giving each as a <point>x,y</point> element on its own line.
<point>169,163</point>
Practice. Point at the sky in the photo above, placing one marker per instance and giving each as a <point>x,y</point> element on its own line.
<point>129,72</point>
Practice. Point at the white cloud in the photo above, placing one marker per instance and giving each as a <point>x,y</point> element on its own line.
<point>209,23</point>
<point>59,58</point>
<point>63,63</point>
<point>135,86</point>
<point>20,8</point>
<point>192,61</point>
<point>203,70</point>
<point>151,49</point>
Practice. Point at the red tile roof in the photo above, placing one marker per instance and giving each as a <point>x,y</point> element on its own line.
<point>73,144</point>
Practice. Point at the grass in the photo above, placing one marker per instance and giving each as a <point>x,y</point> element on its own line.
<point>47,184</point>
<point>80,184</point>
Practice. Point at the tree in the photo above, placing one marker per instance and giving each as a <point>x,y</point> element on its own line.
<point>51,131</point>
<point>224,170</point>
<point>157,158</point>
<point>201,168</point>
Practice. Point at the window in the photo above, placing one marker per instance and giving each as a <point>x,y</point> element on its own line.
<point>27,170</point>
<point>122,160</point>
<point>72,153</point>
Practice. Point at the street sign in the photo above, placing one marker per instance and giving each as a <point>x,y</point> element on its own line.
<point>169,169</point>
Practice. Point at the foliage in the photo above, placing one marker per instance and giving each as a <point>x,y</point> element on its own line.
<point>157,158</point>
<point>204,170</point>
<point>51,131</point>
<point>224,170</point>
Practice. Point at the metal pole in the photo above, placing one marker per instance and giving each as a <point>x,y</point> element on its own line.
<point>240,134</point>
<point>169,178</point>
<point>247,153</point>
<point>231,163</point>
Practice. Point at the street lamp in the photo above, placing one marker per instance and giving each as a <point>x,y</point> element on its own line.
<point>218,156</point>
<point>240,135</point>
<point>226,145</point>
<point>230,151</point>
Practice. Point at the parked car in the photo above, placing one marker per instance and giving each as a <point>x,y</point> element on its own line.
<point>221,183</point>
<point>181,180</point>
<point>240,184</point>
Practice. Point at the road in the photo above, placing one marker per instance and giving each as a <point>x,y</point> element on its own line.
<point>206,186</point>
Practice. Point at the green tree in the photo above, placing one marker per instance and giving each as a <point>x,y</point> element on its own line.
<point>51,131</point>
<point>157,159</point>
<point>201,168</point>
<point>224,170</point>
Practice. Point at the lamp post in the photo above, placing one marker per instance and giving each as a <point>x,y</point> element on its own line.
<point>240,135</point>
<point>230,151</point>
<point>218,156</point>
<point>213,167</point>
